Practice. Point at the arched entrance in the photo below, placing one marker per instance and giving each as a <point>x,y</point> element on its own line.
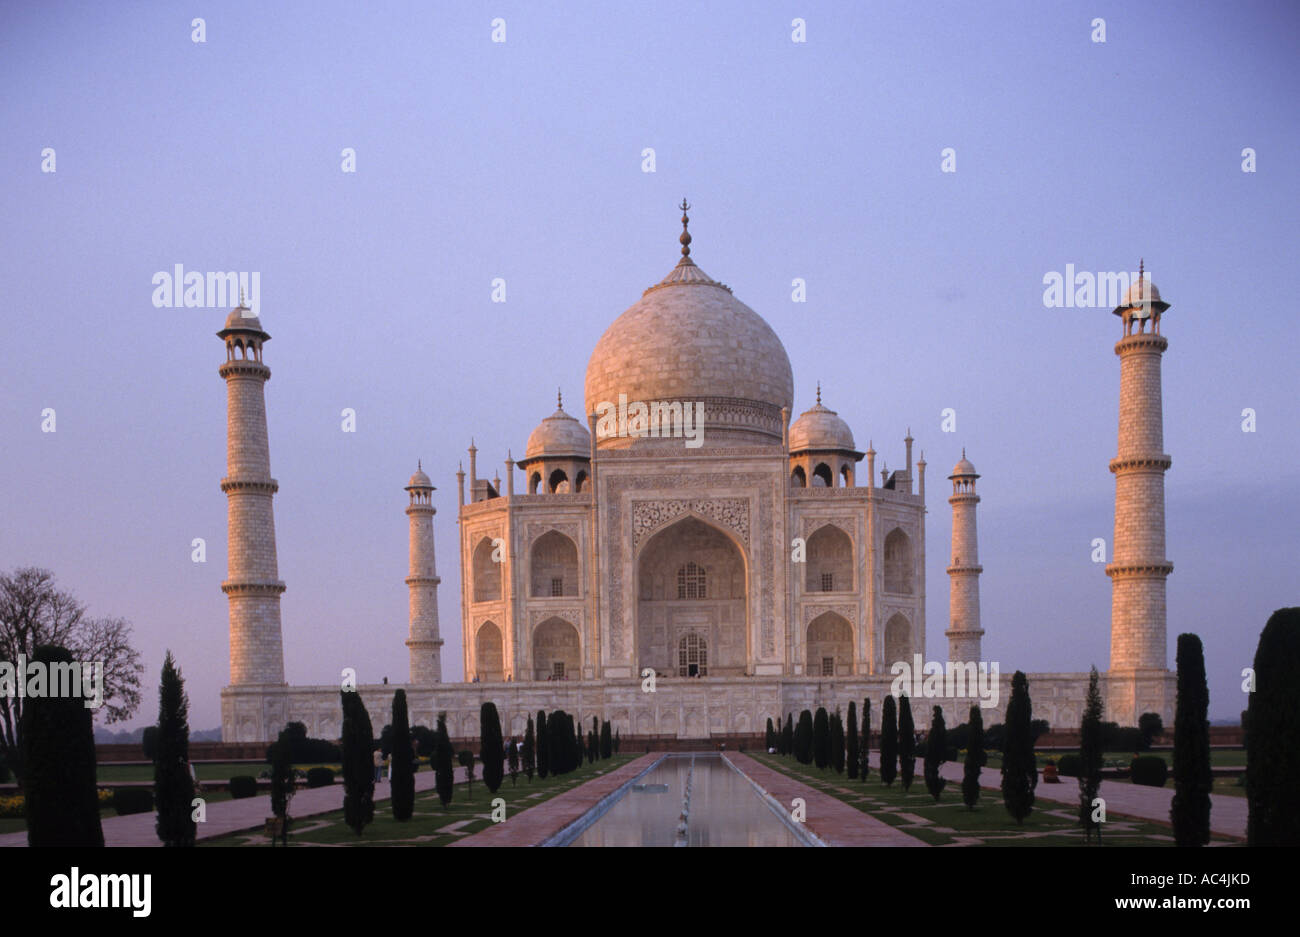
<point>830,646</point>
<point>489,654</point>
<point>898,641</point>
<point>556,652</point>
<point>691,580</point>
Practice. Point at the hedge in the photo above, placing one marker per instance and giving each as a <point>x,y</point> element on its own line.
<point>320,777</point>
<point>243,785</point>
<point>132,800</point>
<point>1150,770</point>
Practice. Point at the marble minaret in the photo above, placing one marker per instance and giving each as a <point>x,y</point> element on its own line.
<point>424,643</point>
<point>964,631</point>
<point>252,583</point>
<point>1138,565</point>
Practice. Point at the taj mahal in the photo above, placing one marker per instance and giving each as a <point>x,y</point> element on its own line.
<point>687,557</point>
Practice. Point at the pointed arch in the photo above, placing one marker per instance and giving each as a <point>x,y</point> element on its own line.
<point>486,572</point>
<point>829,561</point>
<point>553,566</point>
<point>898,562</point>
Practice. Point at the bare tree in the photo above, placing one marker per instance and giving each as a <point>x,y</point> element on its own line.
<point>34,612</point>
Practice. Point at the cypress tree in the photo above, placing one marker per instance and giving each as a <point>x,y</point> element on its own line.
<point>282,782</point>
<point>936,751</point>
<point>491,746</point>
<point>851,741</point>
<point>787,735</point>
<point>803,739</point>
<point>888,742</point>
<point>864,749</point>
<point>172,782</point>
<point>530,750</point>
<point>1019,767</point>
<point>592,746</point>
<point>975,759</point>
<point>906,743</point>
<point>821,738</point>
<point>512,761</point>
<point>402,778</point>
<point>58,758</point>
<point>1273,734</point>
<point>358,762</point>
<point>606,741</point>
<point>1090,758</point>
<point>560,744</point>
<point>444,771</point>
<point>616,741</point>
<point>769,737</point>
<point>543,746</point>
<point>837,743</point>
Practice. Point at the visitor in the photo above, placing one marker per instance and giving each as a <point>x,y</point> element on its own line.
<point>379,765</point>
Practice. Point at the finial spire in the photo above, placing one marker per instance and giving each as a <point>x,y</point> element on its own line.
<point>419,465</point>
<point>241,299</point>
<point>559,399</point>
<point>685,239</point>
<point>819,393</point>
<point>963,452</point>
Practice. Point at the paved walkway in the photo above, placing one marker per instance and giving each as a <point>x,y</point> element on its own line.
<point>537,824</point>
<point>231,816</point>
<point>1227,813</point>
<point>834,822</point>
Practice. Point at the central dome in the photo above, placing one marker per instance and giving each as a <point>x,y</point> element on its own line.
<point>689,339</point>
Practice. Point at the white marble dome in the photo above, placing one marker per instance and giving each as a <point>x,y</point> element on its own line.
<point>689,339</point>
<point>241,317</point>
<point>559,436</point>
<point>820,428</point>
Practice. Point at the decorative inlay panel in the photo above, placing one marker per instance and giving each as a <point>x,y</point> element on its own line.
<point>649,516</point>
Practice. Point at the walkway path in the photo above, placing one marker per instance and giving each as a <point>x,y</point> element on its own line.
<point>537,824</point>
<point>231,816</point>
<point>834,822</point>
<point>1227,813</point>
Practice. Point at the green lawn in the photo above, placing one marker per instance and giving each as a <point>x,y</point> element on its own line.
<point>431,824</point>
<point>950,823</point>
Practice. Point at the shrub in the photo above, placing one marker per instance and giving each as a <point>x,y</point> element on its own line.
<point>14,807</point>
<point>305,750</point>
<point>320,776</point>
<point>242,785</point>
<point>4,772</point>
<point>1130,739</point>
<point>1069,766</point>
<point>1150,770</point>
<point>149,742</point>
<point>132,800</point>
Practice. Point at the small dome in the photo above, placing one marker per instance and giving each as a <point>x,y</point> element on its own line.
<point>241,317</point>
<point>963,468</point>
<point>1142,295</point>
<point>820,428</point>
<point>419,480</point>
<point>559,436</point>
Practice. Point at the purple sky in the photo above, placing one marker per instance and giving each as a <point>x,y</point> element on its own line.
<point>522,160</point>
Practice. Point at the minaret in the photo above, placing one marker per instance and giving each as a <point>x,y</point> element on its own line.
<point>424,643</point>
<point>1138,566</point>
<point>964,631</point>
<point>252,583</point>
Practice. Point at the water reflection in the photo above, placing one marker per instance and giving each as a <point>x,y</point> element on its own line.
<point>725,810</point>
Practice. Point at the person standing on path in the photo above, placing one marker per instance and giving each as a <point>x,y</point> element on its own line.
<point>379,765</point>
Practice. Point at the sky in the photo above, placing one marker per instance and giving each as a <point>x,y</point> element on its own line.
<point>524,160</point>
